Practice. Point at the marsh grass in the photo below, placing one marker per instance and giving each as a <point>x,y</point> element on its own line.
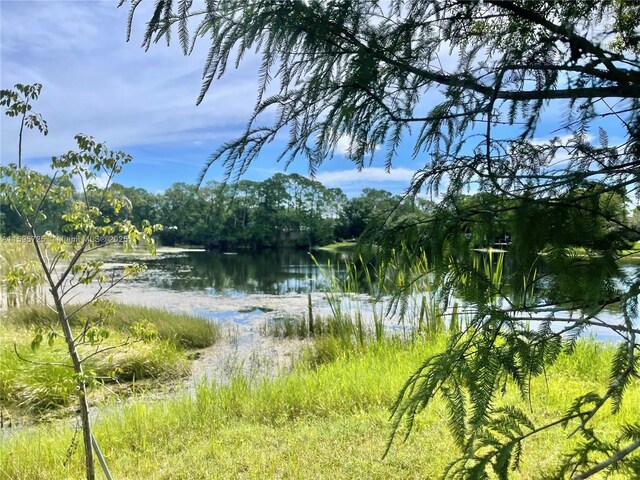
<point>286,327</point>
<point>21,279</point>
<point>184,330</point>
<point>348,246</point>
<point>300,327</point>
<point>327,422</point>
<point>34,388</point>
<point>41,381</point>
<point>331,337</point>
<point>364,309</point>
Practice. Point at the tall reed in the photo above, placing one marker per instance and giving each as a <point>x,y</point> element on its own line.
<point>492,266</point>
<point>20,277</point>
<point>395,296</point>
<point>371,302</point>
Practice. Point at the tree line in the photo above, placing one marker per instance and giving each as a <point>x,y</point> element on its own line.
<point>282,211</point>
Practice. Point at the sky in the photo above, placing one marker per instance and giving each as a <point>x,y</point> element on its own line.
<point>143,103</point>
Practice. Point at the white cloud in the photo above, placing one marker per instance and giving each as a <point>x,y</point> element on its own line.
<point>560,139</point>
<point>343,144</point>
<point>44,168</point>
<point>96,83</point>
<point>374,177</point>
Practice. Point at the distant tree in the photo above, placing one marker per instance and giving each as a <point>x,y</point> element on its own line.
<point>468,84</point>
<point>144,205</point>
<point>281,211</point>
<point>371,209</point>
<point>240,216</point>
<point>365,216</point>
<point>268,219</point>
<point>311,209</point>
<point>184,214</point>
<point>10,223</point>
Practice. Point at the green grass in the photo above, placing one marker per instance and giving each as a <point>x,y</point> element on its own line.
<point>325,422</point>
<point>633,251</point>
<point>184,330</point>
<point>20,275</point>
<point>32,388</point>
<point>300,327</point>
<point>339,246</point>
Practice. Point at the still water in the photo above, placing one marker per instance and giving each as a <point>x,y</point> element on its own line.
<point>272,272</point>
<point>246,287</point>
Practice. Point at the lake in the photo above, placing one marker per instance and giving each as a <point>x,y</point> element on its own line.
<point>246,288</point>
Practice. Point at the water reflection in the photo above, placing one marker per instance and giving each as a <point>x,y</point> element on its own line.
<point>265,272</point>
<point>236,276</point>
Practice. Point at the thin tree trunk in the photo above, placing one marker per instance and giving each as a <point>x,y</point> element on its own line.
<point>24,115</point>
<point>73,353</point>
<point>82,386</point>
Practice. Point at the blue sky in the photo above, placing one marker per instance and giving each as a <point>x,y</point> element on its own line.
<point>96,83</point>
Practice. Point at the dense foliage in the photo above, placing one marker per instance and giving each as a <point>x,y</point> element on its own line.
<point>282,211</point>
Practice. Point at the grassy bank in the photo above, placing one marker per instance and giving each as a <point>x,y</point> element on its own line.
<point>339,246</point>
<point>633,251</point>
<point>183,330</point>
<point>329,421</point>
<point>29,387</point>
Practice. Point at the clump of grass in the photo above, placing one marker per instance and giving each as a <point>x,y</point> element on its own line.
<point>366,298</point>
<point>32,386</point>
<point>184,330</point>
<point>286,327</point>
<point>156,360</point>
<point>590,358</point>
<point>361,302</point>
<point>300,327</point>
<point>332,336</point>
<point>340,246</point>
<point>350,384</point>
<point>42,379</point>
